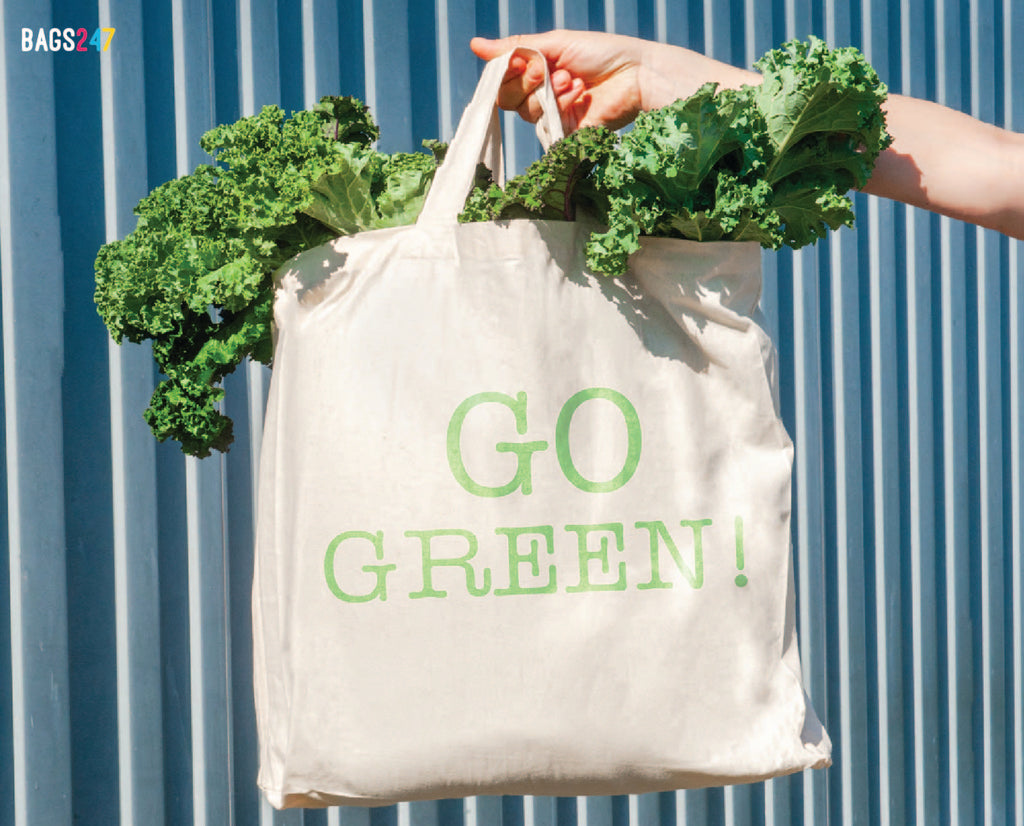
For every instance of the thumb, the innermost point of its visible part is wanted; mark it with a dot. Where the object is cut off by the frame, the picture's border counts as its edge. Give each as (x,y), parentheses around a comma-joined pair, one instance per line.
(486,49)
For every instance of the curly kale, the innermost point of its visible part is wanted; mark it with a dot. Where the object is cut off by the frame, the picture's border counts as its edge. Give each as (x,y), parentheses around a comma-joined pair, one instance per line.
(195,276)
(553,187)
(769,163)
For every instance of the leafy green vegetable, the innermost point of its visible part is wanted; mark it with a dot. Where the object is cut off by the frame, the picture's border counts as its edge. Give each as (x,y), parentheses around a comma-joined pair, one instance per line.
(371,191)
(825,127)
(553,187)
(769,163)
(682,171)
(195,274)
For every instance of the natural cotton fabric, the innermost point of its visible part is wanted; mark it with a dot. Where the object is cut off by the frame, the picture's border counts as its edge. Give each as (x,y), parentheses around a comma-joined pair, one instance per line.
(522,529)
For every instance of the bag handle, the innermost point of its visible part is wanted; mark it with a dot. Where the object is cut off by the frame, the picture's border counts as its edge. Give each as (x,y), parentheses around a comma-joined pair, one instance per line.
(478,138)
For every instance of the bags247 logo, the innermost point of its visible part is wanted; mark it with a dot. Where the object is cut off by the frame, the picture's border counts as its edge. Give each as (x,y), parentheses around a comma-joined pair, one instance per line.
(66,40)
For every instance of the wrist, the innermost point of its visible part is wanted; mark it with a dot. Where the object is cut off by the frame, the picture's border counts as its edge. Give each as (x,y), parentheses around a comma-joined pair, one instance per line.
(668,73)
(656,89)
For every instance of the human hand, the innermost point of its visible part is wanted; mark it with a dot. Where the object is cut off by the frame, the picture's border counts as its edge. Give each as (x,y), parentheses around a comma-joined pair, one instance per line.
(594,76)
(602,79)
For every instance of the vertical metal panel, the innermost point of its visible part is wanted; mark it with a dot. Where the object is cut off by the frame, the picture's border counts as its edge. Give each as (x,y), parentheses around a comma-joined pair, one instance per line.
(259,76)
(901,351)
(885,518)
(92,664)
(320,61)
(209,643)
(809,487)
(621,17)
(458,67)
(132,453)
(157,110)
(571,14)
(960,688)
(681,24)
(916,32)
(1013,43)
(32,296)
(990,304)
(388,86)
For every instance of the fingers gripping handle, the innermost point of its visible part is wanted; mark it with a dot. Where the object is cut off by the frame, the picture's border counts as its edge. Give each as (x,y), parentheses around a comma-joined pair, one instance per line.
(478,137)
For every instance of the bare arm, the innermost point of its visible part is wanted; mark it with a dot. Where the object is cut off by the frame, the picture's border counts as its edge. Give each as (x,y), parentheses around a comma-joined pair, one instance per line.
(950,163)
(941,160)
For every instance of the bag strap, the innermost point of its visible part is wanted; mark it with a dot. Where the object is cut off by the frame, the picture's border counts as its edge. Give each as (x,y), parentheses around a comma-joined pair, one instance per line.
(478,138)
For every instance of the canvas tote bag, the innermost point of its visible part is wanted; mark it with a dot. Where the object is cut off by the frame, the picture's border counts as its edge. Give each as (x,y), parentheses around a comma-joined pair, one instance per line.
(521,529)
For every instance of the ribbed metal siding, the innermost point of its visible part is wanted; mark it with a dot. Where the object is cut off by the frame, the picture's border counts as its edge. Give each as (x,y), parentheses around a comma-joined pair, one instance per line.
(125,689)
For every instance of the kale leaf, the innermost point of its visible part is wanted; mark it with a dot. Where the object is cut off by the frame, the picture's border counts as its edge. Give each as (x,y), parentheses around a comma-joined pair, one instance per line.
(553,187)
(770,163)
(825,129)
(195,276)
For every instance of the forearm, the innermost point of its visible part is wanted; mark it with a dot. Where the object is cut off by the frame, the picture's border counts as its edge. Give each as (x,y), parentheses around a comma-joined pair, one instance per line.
(950,163)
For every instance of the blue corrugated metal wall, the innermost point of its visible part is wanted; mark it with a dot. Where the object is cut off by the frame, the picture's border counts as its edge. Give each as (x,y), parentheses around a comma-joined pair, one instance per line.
(125,689)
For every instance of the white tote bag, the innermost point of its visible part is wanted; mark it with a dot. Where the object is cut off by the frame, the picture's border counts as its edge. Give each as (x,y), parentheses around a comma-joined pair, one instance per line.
(522,529)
